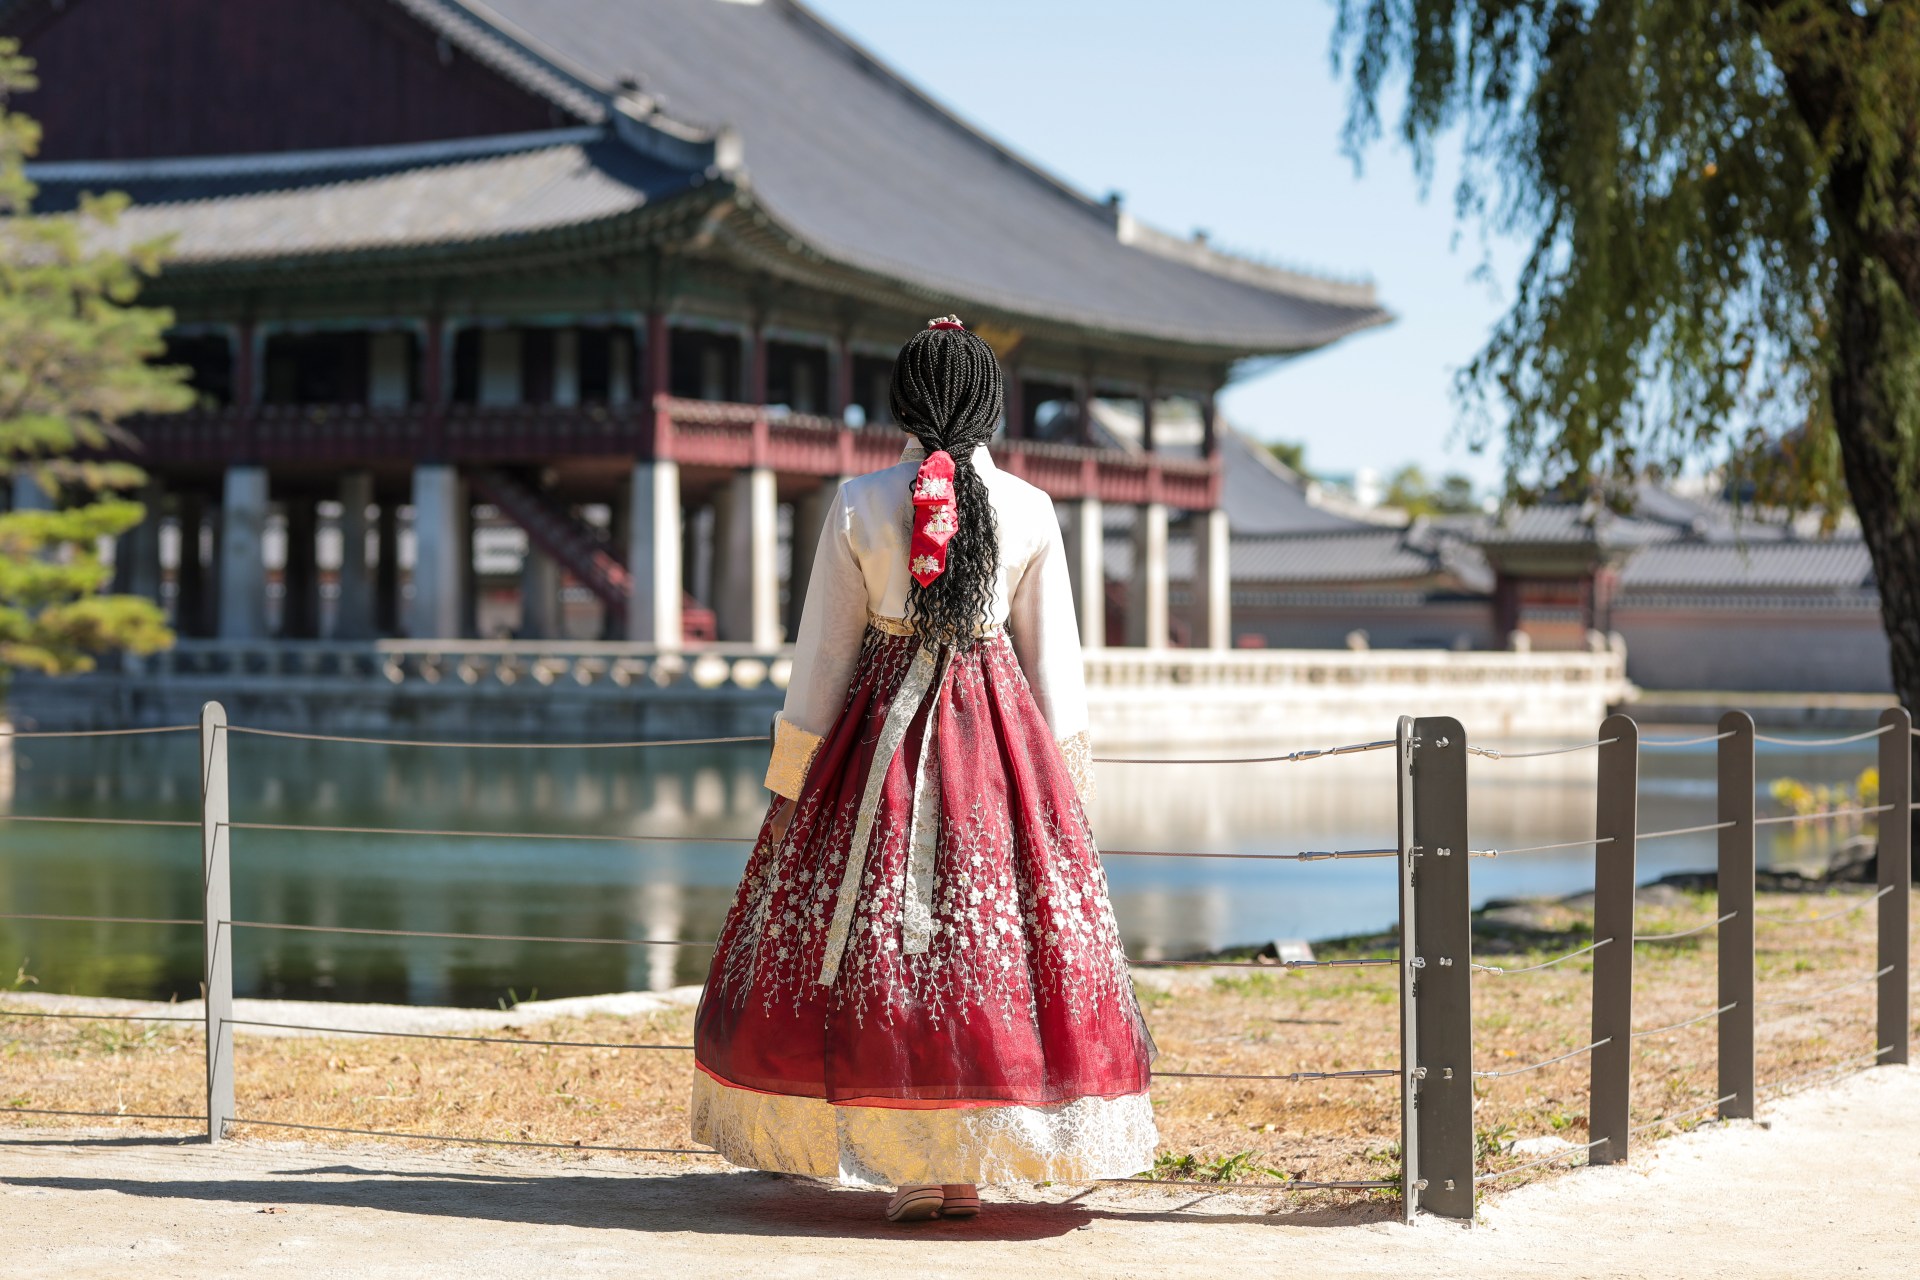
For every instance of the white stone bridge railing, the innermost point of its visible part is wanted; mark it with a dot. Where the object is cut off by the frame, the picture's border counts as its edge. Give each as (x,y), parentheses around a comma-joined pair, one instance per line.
(1136,696)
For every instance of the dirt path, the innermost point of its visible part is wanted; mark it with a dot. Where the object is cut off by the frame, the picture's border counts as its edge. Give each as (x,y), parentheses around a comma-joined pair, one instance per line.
(1828,1186)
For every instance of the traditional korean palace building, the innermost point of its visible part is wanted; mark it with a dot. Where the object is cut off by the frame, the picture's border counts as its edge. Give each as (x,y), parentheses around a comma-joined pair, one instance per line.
(628,273)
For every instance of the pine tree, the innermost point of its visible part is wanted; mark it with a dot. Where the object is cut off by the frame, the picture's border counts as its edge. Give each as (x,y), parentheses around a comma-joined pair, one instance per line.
(1722,204)
(74,361)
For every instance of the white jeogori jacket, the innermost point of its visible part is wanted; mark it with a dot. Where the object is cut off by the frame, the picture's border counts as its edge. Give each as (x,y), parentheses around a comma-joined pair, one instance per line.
(860,577)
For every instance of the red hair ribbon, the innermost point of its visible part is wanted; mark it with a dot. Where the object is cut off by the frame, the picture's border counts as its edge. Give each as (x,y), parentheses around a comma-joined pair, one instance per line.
(945,322)
(936,518)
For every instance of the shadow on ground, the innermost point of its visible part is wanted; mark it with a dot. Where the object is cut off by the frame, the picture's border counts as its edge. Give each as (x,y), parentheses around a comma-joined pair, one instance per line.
(719,1203)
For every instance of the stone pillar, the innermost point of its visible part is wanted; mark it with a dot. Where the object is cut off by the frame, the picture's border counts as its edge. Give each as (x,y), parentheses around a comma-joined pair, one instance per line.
(437,526)
(300,576)
(353,614)
(136,557)
(748,605)
(190,605)
(1087,568)
(243,565)
(1147,598)
(653,554)
(386,577)
(809,518)
(1212,585)
(540,611)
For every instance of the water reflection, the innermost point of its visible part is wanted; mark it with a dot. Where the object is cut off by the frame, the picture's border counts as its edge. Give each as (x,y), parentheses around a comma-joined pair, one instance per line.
(680,887)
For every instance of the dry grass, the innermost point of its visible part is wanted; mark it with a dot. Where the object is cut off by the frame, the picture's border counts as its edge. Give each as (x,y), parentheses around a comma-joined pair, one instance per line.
(1251,1022)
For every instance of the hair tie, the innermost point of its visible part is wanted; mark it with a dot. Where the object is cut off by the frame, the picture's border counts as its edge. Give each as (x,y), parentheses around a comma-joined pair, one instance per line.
(945,322)
(936,517)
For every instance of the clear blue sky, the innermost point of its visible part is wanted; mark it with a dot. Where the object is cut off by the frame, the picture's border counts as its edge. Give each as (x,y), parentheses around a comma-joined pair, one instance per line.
(1225,114)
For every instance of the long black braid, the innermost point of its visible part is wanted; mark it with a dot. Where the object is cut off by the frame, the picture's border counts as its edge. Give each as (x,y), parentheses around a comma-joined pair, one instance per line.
(946,391)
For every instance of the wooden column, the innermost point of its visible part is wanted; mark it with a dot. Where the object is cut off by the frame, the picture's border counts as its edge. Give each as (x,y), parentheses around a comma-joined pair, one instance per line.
(841,394)
(246,367)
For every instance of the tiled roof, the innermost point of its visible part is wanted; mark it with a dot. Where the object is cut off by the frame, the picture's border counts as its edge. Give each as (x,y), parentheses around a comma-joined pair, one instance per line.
(1365,555)
(871,173)
(1841,564)
(372,198)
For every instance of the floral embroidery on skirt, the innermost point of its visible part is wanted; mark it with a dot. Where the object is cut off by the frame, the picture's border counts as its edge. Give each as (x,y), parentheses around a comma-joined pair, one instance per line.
(1000,989)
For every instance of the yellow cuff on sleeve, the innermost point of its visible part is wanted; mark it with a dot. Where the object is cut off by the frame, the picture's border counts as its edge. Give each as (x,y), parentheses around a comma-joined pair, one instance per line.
(793,749)
(1077,751)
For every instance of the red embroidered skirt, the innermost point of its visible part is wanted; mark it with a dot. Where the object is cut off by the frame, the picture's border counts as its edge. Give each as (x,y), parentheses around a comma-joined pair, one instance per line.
(976,1022)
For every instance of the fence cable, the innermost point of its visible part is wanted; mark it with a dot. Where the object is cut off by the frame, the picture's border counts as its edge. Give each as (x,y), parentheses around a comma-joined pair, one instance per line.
(1675,1026)
(1682,1115)
(1327,855)
(1825,813)
(105,1115)
(1789,921)
(1261,964)
(1685,933)
(609,838)
(1291,757)
(1822,995)
(1548,964)
(97,733)
(440,1035)
(1491,754)
(1288,1186)
(1540,848)
(100,822)
(1839,1069)
(486,1142)
(472,937)
(96,1017)
(1822,742)
(1686,742)
(1516,1071)
(493,746)
(25,915)
(1291,1077)
(1682,831)
(1555,1158)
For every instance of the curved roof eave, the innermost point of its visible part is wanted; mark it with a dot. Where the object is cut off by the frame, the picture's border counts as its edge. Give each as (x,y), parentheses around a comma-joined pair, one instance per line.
(1226,344)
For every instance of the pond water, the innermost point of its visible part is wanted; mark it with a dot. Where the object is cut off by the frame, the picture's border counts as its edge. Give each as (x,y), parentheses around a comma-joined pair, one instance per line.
(680,887)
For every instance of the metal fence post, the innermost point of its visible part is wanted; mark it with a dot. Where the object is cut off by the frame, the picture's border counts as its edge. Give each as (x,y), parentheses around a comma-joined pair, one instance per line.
(1441,967)
(1409,1013)
(1735,880)
(1895,857)
(216,914)
(1616,818)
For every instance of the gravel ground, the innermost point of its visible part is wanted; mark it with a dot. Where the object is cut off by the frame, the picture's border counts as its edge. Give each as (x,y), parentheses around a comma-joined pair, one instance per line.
(1828,1184)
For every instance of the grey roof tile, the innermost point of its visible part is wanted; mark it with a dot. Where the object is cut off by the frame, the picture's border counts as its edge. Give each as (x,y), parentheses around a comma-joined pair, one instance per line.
(371,206)
(1841,564)
(872,173)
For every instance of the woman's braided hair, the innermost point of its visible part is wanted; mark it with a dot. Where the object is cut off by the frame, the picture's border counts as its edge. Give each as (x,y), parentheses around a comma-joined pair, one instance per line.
(946,391)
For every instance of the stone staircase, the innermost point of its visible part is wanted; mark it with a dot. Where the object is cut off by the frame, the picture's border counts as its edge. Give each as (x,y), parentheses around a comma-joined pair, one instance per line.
(577,547)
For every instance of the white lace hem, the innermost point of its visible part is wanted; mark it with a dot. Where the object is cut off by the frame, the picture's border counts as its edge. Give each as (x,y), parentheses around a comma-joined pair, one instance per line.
(890,1147)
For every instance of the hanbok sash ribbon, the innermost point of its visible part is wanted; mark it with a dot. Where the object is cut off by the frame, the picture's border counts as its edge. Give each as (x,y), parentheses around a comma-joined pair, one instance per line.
(936,518)
(926,673)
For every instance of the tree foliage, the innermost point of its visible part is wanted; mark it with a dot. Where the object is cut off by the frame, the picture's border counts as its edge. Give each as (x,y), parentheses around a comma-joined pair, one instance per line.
(74,361)
(1678,195)
(1411,491)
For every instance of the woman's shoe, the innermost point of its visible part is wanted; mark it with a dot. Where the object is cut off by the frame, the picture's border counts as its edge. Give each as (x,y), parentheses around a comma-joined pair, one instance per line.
(959,1200)
(916,1203)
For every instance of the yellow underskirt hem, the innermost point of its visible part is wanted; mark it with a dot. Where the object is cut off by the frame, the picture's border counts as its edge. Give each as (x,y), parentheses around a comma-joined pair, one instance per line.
(1075,1141)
